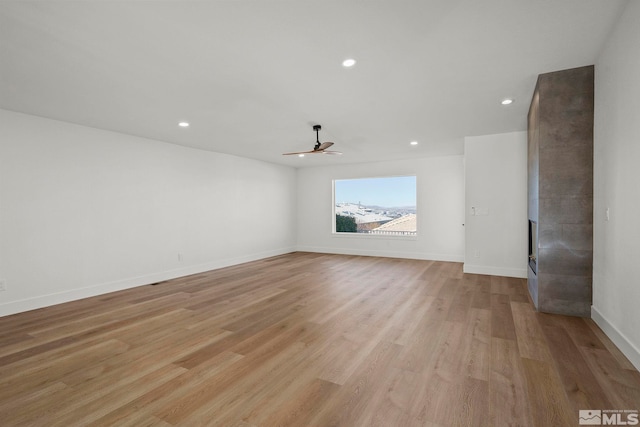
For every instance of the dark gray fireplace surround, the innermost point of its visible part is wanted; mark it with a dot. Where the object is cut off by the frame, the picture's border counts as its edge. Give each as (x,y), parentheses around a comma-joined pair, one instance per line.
(560,188)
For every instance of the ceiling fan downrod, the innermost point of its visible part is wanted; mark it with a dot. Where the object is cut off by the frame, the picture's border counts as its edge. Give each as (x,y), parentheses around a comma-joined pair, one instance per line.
(317,129)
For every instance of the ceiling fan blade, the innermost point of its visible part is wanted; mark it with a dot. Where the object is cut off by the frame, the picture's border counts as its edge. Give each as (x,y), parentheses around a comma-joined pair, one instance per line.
(299,152)
(325,145)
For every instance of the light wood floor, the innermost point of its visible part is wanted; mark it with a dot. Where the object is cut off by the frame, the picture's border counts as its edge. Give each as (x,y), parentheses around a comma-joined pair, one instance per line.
(310,340)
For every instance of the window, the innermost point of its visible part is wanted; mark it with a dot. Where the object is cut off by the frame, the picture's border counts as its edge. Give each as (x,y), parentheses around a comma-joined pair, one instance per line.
(376,206)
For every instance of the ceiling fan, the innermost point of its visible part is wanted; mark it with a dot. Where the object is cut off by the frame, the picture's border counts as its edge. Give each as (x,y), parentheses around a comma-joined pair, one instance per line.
(319,148)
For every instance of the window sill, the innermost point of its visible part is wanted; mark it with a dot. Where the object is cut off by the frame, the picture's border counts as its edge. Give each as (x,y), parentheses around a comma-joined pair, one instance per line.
(374,236)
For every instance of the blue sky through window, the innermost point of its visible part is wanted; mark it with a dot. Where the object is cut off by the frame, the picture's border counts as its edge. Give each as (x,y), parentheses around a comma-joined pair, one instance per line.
(397,191)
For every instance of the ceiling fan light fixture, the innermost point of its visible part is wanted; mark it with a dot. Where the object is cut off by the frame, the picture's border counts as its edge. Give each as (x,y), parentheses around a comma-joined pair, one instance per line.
(300,155)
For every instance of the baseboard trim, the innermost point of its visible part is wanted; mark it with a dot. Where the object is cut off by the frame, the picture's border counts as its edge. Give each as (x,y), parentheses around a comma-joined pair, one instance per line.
(42,301)
(618,338)
(385,254)
(520,273)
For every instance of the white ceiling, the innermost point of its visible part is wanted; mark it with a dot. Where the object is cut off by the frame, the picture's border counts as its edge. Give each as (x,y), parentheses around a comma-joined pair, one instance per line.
(252,77)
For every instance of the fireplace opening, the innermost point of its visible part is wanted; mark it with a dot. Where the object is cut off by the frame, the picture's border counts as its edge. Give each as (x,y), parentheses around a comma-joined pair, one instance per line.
(533,245)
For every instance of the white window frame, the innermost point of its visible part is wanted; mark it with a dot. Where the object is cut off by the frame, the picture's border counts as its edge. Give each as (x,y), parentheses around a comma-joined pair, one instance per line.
(372,235)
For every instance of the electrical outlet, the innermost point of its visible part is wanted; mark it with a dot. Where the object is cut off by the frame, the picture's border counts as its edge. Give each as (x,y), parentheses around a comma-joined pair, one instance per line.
(3,285)
(179,257)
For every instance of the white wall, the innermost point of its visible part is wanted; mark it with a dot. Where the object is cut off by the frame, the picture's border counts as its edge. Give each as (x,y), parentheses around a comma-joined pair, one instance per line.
(440,187)
(85,211)
(616,276)
(496,225)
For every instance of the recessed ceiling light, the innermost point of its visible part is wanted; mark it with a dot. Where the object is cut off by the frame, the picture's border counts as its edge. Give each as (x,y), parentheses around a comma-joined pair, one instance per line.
(414,143)
(300,155)
(183,124)
(348,63)
(507,101)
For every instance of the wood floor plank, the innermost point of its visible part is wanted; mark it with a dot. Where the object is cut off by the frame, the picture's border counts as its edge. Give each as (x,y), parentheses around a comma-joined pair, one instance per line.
(167,393)
(461,401)
(546,395)
(117,316)
(236,386)
(621,386)
(263,357)
(622,360)
(502,325)
(97,408)
(475,355)
(475,394)
(531,341)
(576,327)
(304,406)
(312,340)
(579,382)
(90,335)
(263,402)
(139,361)
(481,286)
(420,350)
(461,302)
(354,397)
(407,326)
(507,386)
(42,374)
